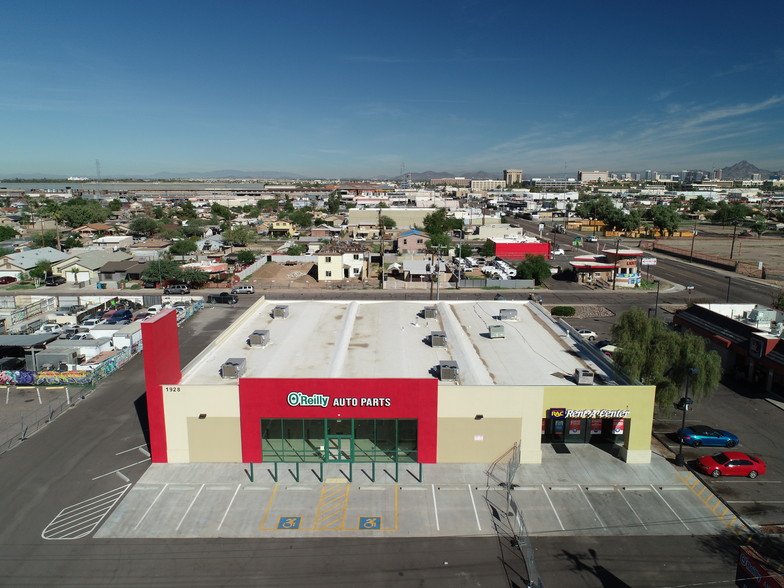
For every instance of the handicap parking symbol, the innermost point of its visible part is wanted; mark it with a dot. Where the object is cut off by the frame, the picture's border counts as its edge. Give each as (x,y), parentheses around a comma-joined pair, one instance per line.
(369,523)
(289,523)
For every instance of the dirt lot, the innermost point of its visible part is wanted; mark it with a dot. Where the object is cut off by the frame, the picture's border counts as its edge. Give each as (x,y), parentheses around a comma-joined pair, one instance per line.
(276,275)
(769,249)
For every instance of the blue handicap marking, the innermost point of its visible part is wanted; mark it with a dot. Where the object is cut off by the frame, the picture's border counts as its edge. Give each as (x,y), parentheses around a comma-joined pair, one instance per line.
(289,522)
(369,523)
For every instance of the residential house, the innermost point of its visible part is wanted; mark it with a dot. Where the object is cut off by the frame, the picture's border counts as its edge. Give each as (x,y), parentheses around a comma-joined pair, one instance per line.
(118,271)
(84,267)
(325,232)
(282,228)
(91,230)
(149,248)
(342,260)
(16,264)
(412,241)
(114,242)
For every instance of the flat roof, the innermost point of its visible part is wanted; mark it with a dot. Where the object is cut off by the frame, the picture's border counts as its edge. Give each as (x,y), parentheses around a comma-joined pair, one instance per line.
(391,339)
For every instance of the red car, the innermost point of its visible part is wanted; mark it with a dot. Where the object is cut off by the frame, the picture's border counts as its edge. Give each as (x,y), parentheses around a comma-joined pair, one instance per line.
(7,280)
(731,463)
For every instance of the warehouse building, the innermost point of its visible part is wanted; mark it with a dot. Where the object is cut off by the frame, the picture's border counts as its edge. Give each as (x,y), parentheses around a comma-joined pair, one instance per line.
(387,381)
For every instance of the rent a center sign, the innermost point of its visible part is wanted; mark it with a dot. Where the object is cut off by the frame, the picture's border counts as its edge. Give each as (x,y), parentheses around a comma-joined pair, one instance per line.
(564,413)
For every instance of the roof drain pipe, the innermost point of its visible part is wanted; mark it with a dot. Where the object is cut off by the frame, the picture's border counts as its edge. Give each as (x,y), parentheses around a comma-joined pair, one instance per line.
(341,347)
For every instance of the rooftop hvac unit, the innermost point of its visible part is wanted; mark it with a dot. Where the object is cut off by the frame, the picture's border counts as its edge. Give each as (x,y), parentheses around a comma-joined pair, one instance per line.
(430,312)
(496,331)
(259,338)
(438,339)
(508,314)
(448,370)
(583,377)
(233,367)
(281,311)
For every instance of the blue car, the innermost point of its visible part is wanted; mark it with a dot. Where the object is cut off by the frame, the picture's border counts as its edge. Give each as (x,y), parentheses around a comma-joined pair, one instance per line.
(698,435)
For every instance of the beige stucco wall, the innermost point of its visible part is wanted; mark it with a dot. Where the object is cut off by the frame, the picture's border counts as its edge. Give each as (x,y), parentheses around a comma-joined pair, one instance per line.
(183,403)
(214,439)
(510,414)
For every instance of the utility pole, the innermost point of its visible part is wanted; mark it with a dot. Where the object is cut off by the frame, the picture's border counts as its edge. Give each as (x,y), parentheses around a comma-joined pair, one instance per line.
(615,269)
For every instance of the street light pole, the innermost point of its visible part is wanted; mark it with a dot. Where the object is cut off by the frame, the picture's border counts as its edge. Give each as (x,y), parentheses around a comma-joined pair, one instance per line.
(734,231)
(729,283)
(685,402)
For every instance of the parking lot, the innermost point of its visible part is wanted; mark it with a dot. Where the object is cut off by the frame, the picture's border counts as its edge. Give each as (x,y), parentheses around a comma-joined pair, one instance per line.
(587,492)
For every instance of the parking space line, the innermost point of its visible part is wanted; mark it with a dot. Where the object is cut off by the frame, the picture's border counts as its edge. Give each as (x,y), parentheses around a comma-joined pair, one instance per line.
(555,512)
(435,506)
(121,469)
(131,449)
(149,508)
(670,507)
(473,503)
(596,514)
(269,506)
(228,508)
(633,511)
(187,510)
(332,507)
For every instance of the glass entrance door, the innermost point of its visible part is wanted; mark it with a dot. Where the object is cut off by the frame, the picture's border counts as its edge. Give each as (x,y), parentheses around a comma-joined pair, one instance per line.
(340,448)
(340,440)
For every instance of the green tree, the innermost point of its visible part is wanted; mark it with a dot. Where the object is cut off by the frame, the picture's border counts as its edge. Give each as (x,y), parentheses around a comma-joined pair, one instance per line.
(182,247)
(114,205)
(194,276)
(297,249)
(71,242)
(759,225)
(387,222)
(333,202)
(439,222)
(595,207)
(161,270)
(246,257)
(665,218)
(439,242)
(778,300)
(301,218)
(535,267)
(143,226)
(78,212)
(7,233)
(42,269)
(698,204)
(220,211)
(462,251)
(650,352)
(487,249)
(240,235)
(729,213)
(47,239)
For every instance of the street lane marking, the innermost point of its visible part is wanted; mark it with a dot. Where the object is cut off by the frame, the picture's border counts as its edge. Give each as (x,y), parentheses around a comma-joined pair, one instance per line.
(81,519)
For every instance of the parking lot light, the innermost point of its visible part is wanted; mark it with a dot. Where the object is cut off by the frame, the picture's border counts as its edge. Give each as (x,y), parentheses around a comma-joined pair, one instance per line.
(684,405)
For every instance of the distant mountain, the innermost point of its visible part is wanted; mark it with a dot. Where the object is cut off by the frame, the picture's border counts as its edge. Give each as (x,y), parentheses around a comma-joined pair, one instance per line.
(743,170)
(429,175)
(227,174)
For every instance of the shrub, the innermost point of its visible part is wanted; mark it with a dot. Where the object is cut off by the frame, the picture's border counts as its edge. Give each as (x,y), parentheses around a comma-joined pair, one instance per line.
(562,311)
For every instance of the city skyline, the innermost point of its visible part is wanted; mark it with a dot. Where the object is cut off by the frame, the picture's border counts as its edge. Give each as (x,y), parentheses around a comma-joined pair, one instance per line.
(355,90)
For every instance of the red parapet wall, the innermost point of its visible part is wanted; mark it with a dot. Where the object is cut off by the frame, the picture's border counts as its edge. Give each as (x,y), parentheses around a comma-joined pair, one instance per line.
(521,250)
(331,398)
(161,352)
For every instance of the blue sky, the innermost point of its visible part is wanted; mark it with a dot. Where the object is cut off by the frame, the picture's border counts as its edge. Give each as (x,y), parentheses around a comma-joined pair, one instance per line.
(353,89)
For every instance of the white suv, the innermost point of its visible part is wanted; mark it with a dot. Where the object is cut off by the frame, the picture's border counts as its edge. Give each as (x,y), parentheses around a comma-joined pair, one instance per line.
(245,289)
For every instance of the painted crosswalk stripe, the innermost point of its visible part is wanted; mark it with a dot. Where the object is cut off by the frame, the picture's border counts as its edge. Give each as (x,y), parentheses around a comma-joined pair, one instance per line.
(81,519)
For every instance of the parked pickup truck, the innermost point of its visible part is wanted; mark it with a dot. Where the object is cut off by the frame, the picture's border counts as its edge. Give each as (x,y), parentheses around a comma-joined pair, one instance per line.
(223,298)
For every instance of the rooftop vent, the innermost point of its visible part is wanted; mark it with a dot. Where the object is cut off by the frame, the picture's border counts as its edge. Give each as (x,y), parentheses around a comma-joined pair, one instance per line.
(496,331)
(508,314)
(281,311)
(430,312)
(233,367)
(448,371)
(259,338)
(583,377)
(438,339)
